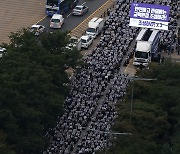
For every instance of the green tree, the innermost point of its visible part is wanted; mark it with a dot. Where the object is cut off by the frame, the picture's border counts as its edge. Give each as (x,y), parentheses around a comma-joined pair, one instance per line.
(155,117)
(32,88)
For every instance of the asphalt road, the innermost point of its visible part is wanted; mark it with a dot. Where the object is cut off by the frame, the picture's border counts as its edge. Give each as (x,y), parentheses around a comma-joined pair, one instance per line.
(70,21)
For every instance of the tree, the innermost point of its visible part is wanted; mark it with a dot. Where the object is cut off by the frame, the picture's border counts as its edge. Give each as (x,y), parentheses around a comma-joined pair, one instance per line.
(155,117)
(32,76)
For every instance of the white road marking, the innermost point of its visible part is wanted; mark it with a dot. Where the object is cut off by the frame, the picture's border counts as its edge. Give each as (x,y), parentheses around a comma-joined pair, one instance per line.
(69,14)
(40,20)
(83,3)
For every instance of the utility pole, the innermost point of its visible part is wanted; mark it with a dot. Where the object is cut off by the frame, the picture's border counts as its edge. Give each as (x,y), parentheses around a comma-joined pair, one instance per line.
(135,78)
(110,133)
(132,92)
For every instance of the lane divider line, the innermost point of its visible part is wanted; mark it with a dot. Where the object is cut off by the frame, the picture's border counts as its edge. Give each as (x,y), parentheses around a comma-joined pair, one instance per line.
(40,20)
(69,14)
(83,3)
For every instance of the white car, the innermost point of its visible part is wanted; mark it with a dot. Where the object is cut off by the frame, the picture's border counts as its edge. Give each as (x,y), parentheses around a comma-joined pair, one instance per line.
(56,21)
(80,10)
(2,50)
(86,41)
(37,29)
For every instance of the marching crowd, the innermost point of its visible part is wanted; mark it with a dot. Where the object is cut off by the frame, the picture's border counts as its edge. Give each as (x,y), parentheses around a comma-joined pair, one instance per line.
(96,89)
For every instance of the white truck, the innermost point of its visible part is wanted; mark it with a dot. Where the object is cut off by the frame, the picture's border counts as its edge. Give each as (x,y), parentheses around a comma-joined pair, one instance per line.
(74,43)
(147,47)
(95,27)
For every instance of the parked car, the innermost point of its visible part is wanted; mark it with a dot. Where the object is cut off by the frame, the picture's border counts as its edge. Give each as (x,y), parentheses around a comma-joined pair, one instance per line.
(86,41)
(37,29)
(56,21)
(80,10)
(74,43)
(2,51)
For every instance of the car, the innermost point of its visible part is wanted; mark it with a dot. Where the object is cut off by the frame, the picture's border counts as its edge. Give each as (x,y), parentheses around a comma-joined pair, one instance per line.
(56,21)
(2,51)
(80,10)
(74,43)
(37,29)
(86,41)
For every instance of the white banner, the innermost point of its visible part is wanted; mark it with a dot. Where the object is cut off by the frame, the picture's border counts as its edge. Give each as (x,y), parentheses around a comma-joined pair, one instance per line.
(148,23)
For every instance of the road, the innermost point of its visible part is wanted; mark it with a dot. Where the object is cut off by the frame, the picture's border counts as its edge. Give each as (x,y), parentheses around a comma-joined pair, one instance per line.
(70,21)
(18,14)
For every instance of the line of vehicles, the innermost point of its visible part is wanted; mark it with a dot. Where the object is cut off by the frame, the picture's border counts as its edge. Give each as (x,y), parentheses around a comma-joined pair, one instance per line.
(147,41)
(55,9)
(57,20)
(95,27)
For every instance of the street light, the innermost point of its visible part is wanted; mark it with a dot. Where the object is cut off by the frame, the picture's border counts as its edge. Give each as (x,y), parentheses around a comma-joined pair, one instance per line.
(132,92)
(111,133)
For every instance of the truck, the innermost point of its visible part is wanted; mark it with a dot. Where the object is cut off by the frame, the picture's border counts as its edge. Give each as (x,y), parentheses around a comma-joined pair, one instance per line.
(95,27)
(74,43)
(147,47)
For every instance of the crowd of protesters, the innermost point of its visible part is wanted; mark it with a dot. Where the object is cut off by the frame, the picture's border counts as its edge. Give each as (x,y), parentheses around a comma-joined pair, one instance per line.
(100,85)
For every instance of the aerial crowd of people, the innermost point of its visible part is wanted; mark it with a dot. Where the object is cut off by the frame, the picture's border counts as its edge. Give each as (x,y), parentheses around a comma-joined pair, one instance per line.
(100,85)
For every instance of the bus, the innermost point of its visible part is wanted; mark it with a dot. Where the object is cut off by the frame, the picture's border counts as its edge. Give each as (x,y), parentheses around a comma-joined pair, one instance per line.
(59,6)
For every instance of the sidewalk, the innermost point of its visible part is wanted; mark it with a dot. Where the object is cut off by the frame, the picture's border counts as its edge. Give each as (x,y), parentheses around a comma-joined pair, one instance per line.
(173,56)
(18,14)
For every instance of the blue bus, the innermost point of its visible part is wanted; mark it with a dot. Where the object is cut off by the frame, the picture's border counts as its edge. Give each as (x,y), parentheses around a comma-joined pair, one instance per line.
(59,6)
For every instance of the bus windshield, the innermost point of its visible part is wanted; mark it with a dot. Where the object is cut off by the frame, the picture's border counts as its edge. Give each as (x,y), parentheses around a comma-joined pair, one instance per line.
(52,2)
(140,54)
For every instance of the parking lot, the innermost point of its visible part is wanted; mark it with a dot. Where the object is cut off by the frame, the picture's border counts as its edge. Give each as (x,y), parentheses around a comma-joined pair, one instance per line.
(17,14)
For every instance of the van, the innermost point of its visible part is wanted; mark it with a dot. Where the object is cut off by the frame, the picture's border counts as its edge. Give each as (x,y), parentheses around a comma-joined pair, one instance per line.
(86,41)
(95,27)
(56,21)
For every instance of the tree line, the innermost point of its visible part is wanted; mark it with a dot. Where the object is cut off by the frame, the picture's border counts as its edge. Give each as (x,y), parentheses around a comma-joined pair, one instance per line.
(33,86)
(155,123)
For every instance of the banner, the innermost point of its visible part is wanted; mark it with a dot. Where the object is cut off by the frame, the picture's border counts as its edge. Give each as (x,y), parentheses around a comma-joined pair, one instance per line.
(149,16)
